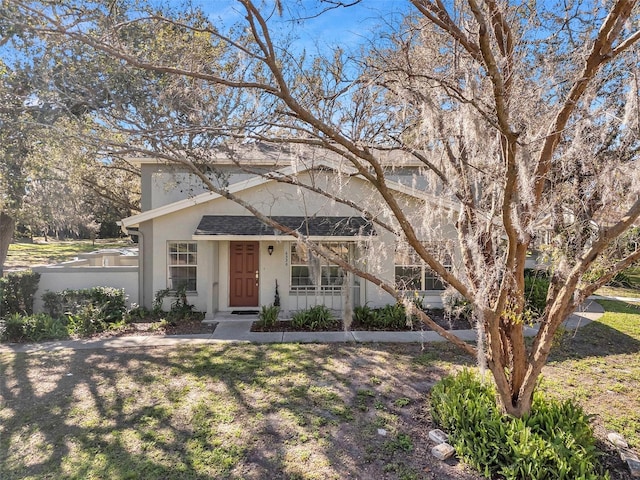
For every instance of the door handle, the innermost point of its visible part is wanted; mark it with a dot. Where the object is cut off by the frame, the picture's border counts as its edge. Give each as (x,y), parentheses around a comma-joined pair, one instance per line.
(257,277)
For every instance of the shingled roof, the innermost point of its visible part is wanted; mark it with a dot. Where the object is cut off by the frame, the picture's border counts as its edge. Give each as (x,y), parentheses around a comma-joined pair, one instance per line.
(310,226)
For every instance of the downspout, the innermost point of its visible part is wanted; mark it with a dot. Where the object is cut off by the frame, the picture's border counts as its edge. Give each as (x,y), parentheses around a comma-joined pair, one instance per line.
(140,236)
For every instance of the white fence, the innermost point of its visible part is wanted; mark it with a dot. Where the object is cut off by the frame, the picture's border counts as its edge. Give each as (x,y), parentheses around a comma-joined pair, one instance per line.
(56,278)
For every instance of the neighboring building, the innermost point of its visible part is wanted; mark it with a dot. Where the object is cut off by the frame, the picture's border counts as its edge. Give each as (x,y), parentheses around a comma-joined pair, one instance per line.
(229,261)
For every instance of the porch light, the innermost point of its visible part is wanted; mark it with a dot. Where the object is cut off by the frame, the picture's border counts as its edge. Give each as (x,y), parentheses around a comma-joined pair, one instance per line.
(270,250)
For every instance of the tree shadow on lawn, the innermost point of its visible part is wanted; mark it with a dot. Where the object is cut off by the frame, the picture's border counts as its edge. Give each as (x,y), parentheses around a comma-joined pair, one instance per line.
(603,337)
(221,411)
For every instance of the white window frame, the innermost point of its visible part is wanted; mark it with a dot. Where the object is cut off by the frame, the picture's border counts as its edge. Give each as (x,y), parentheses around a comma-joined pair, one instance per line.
(317,266)
(425,275)
(183,260)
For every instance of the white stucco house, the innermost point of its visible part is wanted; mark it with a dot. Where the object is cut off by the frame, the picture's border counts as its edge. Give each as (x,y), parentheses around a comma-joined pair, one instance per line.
(229,261)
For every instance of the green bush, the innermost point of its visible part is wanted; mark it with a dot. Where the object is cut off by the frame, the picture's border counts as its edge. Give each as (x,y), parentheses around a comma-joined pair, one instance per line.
(392,317)
(554,441)
(364,315)
(87,311)
(268,315)
(110,303)
(456,306)
(180,308)
(389,317)
(317,317)
(32,328)
(86,321)
(17,291)
(536,286)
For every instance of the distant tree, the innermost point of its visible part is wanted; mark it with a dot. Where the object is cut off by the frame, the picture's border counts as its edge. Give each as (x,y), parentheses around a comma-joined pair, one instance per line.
(77,191)
(525,114)
(49,181)
(18,117)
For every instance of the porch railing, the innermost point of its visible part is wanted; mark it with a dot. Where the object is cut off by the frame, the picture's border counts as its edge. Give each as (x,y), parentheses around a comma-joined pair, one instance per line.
(304,297)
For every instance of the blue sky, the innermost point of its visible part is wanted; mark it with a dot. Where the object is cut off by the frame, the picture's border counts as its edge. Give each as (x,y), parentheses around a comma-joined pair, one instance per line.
(344,26)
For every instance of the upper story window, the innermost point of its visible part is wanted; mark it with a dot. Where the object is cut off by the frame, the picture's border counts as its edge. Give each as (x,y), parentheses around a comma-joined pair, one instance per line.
(309,270)
(412,273)
(183,265)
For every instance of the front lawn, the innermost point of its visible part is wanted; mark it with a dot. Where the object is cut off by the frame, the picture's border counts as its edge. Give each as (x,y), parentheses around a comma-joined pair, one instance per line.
(25,255)
(275,411)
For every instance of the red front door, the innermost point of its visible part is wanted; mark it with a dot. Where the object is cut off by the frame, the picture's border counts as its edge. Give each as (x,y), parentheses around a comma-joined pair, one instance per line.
(243,276)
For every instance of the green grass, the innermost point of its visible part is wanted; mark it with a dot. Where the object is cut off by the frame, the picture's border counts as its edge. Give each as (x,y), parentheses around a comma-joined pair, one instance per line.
(633,275)
(30,254)
(274,411)
(599,366)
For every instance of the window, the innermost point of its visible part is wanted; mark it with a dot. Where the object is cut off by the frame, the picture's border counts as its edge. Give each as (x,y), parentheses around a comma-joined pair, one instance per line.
(413,274)
(183,265)
(309,270)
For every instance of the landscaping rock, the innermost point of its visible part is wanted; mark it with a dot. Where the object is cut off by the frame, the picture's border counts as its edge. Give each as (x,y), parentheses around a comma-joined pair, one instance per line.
(443,451)
(617,440)
(626,454)
(438,436)
(382,432)
(634,468)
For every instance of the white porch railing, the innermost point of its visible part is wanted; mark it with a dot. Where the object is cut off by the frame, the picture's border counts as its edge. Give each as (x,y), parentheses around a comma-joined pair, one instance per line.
(302,298)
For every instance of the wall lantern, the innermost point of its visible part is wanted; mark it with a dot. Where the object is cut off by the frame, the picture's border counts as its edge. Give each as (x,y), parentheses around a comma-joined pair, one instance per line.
(270,250)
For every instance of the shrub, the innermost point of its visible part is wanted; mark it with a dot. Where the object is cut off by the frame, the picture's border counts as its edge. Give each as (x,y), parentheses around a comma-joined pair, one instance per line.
(317,317)
(17,291)
(364,315)
(32,328)
(392,316)
(180,308)
(86,321)
(536,286)
(111,302)
(87,311)
(554,441)
(268,315)
(456,306)
(389,317)
(136,314)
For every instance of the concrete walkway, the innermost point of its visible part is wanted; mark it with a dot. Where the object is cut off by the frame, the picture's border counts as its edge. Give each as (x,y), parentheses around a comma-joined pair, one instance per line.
(239,331)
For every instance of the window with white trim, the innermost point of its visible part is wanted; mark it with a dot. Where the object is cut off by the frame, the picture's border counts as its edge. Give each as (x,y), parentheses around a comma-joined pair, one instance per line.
(412,273)
(183,265)
(309,270)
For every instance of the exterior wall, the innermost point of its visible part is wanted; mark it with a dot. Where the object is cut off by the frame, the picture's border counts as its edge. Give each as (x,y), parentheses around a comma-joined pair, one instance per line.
(166,185)
(58,278)
(274,199)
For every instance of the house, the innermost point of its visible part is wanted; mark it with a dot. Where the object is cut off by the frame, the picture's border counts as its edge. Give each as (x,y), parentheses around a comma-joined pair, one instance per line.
(229,261)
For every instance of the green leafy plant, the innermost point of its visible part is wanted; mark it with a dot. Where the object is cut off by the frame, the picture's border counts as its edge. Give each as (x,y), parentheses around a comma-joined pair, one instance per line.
(268,315)
(364,315)
(110,303)
(456,306)
(392,316)
(554,441)
(136,314)
(17,291)
(317,317)
(32,328)
(87,311)
(158,300)
(180,309)
(536,286)
(320,317)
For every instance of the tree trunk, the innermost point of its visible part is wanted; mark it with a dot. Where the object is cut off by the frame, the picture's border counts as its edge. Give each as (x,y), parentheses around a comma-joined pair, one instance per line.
(7,226)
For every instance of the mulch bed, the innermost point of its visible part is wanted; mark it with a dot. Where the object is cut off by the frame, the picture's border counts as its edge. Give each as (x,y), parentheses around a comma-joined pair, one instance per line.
(436,315)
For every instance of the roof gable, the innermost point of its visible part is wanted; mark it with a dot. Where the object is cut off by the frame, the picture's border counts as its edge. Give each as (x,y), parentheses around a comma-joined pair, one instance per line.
(262,180)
